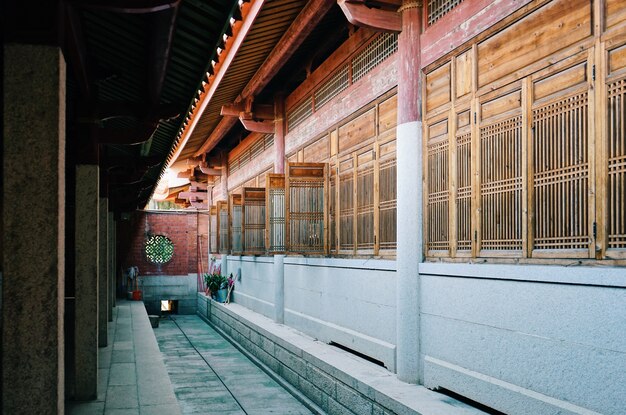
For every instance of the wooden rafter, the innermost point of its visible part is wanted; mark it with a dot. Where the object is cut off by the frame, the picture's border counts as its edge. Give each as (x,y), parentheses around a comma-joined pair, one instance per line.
(297,32)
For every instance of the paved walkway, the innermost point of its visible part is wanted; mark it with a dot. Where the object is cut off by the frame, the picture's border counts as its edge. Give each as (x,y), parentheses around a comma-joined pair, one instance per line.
(132,378)
(210,376)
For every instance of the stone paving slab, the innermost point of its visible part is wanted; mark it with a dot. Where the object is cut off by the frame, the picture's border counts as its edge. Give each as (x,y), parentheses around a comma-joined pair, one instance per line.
(210,376)
(132,379)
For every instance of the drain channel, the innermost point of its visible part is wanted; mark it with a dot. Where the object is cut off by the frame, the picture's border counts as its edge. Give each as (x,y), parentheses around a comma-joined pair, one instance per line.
(209,365)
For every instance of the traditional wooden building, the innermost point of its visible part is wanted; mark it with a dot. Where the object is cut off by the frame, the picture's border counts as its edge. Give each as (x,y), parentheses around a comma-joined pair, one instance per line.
(445,179)
(438,187)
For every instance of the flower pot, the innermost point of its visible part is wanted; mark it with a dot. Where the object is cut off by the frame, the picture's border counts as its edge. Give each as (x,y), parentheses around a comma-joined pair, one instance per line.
(221,295)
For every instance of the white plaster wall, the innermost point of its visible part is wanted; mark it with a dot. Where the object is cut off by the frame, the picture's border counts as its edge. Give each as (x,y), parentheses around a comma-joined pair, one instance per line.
(524,339)
(254,283)
(347,301)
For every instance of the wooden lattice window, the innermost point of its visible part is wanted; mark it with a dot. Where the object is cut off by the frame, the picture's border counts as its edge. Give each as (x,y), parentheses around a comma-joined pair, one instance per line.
(332,207)
(275,217)
(299,113)
(438,181)
(617,164)
(306,188)
(439,8)
(388,196)
(346,205)
(236,208)
(561,179)
(365,199)
(222,226)
(332,87)
(253,199)
(213,230)
(501,184)
(376,52)
(463,182)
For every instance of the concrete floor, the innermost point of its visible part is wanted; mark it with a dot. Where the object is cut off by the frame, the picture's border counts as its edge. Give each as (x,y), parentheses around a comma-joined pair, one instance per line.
(210,376)
(192,369)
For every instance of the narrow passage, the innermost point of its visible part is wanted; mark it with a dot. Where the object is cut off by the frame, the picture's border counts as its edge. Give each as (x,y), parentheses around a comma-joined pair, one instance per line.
(210,376)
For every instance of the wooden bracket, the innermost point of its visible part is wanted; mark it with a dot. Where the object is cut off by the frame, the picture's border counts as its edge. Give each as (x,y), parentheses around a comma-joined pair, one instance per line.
(359,14)
(256,111)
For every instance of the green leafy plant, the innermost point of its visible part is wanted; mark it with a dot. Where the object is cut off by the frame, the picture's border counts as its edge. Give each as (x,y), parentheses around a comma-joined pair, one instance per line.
(215,282)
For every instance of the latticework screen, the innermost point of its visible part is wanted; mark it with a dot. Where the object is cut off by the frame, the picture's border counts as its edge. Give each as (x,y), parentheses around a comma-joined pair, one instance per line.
(376,52)
(332,87)
(437,182)
(617,164)
(213,230)
(236,243)
(537,149)
(222,224)
(299,113)
(254,220)
(388,201)
(275,218)
(501,184)
(464,186)
(332,208)
(306,187)
(346,204)
(365,200)
(561,179)
(439,8)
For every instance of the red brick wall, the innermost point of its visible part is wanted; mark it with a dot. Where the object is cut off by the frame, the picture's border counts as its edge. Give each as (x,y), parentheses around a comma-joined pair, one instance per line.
(184,229)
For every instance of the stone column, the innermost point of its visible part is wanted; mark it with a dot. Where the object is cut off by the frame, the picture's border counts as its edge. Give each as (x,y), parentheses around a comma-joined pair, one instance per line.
(111,267)
(86,281)
(33,230)
(279,134)
(279,288)
(103,273)
(409,173)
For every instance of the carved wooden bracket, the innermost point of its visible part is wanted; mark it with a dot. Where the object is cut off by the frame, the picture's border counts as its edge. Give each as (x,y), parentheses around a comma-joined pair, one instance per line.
(360,14)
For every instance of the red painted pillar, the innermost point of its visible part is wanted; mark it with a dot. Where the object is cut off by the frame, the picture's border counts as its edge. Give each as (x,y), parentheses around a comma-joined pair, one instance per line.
(279,134)
(409,81)
(409,203)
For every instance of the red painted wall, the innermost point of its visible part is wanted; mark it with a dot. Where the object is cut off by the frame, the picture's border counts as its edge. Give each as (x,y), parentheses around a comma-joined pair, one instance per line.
(187,230)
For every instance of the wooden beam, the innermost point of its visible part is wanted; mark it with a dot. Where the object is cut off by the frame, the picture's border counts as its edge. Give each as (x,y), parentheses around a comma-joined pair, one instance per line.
(298,31)
(127,6)
(209,171)
(258,111)
(240,30)
(361,15)
(193,195)
(266,127)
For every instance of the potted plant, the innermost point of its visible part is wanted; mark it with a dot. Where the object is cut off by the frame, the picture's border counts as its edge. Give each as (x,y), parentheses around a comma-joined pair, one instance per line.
(217,286)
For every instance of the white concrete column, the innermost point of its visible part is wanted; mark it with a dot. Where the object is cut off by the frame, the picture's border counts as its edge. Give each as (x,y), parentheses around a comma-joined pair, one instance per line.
(103,273)
(32,231)
(279,288)
(409,251)
(409,179)
(86,282)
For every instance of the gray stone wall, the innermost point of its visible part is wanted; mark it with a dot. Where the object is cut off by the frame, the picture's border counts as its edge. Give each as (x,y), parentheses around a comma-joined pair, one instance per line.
(166,287)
